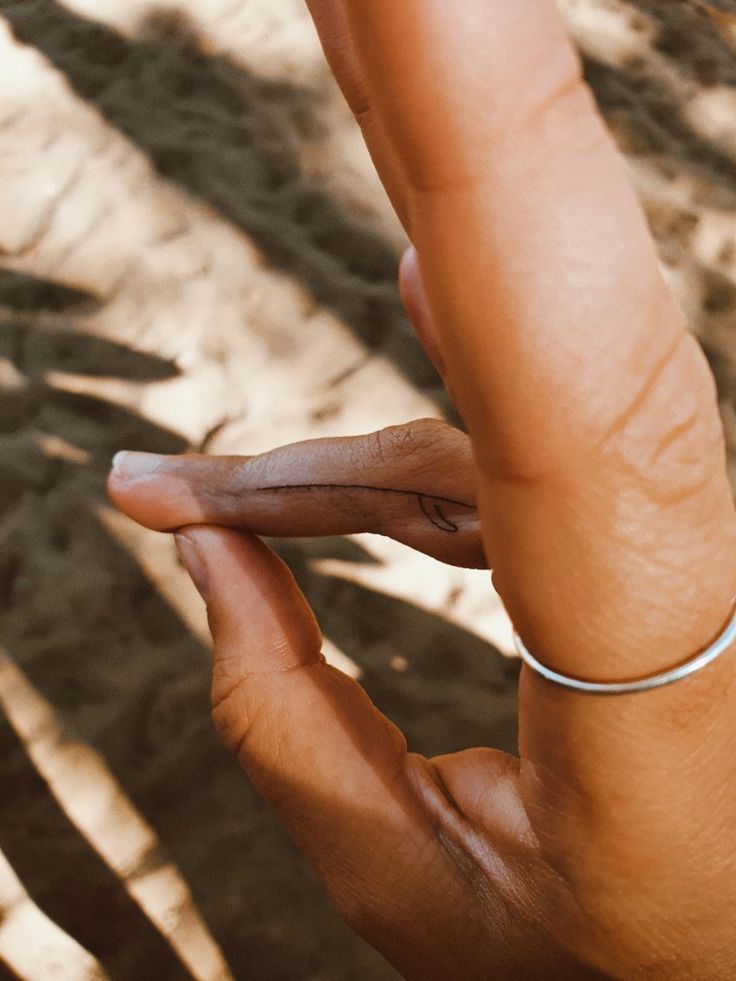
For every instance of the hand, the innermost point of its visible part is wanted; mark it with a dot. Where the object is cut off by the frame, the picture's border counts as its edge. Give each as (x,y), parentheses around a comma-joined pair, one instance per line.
(598,473)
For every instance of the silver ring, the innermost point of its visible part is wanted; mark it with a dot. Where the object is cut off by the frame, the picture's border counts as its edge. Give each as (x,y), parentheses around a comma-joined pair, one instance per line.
(700,660)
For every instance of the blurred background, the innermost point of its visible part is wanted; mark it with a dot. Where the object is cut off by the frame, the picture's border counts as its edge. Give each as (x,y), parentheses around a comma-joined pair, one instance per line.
(195,254)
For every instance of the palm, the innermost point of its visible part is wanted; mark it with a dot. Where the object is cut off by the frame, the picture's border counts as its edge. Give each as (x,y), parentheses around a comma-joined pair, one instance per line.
(473,829)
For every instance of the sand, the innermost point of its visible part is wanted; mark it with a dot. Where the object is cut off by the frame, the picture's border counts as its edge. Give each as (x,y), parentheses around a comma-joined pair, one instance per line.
(194,253)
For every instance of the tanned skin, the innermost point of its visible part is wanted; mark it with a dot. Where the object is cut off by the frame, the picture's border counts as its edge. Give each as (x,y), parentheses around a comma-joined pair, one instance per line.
(592,480)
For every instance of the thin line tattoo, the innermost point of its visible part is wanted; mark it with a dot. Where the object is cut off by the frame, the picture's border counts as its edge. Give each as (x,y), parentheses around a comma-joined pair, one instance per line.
(429,504)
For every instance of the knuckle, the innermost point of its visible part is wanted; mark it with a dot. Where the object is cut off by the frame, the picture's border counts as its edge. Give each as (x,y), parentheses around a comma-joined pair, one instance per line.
(398,442)
(670,435)
(557,102)
(232,714)
(559,95)
(247,726)
(238,703)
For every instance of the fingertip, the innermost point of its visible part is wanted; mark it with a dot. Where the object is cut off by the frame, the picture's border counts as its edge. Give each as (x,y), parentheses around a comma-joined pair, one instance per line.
(150,490)
(127,468)
(130,465)
(115,483)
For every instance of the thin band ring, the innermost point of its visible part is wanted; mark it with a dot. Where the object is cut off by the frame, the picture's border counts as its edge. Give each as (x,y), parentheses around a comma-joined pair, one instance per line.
(668,677)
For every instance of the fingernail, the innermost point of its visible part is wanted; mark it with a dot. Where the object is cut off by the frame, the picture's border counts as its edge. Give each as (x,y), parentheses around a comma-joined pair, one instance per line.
(130,466)
(194,564)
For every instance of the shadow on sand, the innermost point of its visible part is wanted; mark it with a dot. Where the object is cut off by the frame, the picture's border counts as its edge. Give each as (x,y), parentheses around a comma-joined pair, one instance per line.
(76,611)
(123,672)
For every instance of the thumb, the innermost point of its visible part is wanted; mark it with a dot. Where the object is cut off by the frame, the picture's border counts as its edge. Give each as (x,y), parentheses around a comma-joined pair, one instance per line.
(334,770)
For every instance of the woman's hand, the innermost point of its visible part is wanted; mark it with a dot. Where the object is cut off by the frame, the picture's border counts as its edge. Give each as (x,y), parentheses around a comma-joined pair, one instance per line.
(598,471)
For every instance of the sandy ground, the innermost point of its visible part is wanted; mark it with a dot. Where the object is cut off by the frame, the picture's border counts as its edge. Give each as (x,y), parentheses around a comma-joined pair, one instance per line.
(194,253)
